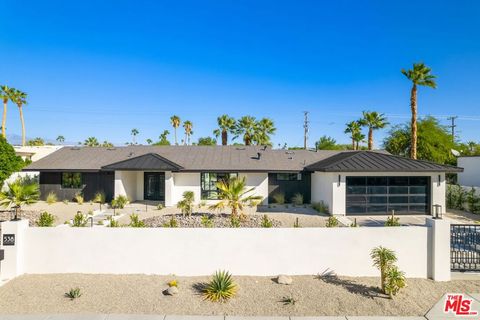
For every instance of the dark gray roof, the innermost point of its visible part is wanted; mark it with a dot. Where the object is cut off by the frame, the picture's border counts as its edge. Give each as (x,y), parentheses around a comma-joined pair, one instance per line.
(368,161)
(226,158)
(149,161)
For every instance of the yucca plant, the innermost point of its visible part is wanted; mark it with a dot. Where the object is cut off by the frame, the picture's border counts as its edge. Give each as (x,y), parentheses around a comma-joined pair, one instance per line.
(74,293)
(51,198)
(394,281)
(186,204)
(297,199)
(220,288)
(383,260)
(45,220)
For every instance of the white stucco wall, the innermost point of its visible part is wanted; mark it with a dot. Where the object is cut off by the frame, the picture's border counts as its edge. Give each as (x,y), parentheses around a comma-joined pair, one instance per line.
(471,175)
(35,153)
(325,187)
(260,182)
(126,184)
(185,181)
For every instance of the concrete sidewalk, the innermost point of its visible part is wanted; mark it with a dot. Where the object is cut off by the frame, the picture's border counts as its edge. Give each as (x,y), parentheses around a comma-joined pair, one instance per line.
(176,317)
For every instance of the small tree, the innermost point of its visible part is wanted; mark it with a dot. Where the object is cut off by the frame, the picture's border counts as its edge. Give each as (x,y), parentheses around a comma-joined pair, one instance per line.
(186,205)
(18,194)
(9,161)
(383,259)
(234,195)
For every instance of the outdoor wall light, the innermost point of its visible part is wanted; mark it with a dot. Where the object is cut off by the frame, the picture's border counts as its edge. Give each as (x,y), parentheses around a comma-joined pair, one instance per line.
(439,180)
(437,211)
(339,179)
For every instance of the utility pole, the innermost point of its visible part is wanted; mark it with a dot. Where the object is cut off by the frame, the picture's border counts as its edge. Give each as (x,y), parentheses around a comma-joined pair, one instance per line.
(305,129)
(453,126)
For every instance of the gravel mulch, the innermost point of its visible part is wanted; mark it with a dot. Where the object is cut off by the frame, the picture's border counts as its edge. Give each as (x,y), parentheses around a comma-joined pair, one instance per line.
(218,220)
(256,296)
(32,216)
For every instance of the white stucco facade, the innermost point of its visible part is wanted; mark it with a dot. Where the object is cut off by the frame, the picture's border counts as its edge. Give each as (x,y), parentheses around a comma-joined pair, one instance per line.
(331,187)
(470,177)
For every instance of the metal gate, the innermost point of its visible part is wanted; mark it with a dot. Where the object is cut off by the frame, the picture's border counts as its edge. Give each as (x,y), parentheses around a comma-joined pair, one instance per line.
(465,247)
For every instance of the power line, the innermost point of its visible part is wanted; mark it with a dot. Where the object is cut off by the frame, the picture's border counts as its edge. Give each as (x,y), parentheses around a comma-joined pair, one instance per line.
(452,126)
(305,129)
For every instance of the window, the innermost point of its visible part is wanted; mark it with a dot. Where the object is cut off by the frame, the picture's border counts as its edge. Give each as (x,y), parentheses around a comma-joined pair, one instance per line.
(71,180)
(289,176)
(209,190)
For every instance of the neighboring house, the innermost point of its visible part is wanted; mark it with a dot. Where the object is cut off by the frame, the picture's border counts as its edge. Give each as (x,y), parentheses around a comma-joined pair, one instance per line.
(34,153)
(470,177)
(350,182)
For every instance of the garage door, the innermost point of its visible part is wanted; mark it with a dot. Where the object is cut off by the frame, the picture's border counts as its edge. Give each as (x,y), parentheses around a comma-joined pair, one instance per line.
(381,195)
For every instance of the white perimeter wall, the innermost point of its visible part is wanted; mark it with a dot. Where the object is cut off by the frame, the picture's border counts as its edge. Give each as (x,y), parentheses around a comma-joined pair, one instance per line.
(471,174)
(325,187)
(189,252)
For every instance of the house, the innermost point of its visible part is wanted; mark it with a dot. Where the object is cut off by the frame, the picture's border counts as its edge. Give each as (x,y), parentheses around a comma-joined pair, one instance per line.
(349,182)
(34,153)
(470,177)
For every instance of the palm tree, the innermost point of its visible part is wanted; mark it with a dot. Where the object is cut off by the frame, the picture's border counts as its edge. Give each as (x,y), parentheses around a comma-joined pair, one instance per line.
(263,129)
(91,142)
(175,121)
(358,137)
(60,139)
(20,99)
(246,126)
(149,141)
(5,96)
(134,134)
(353,128)
(19,194)
(373,121)
(420,75)
(383,259)
(188,125)
(226,125)
(234,195)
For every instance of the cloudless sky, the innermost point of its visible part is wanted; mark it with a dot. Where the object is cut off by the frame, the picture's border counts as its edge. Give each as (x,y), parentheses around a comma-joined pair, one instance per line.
(101,68)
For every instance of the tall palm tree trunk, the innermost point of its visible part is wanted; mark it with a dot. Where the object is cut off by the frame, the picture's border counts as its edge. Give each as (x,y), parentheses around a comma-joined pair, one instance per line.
(23,124)
(353,143)
(413,105)
(370,139)
(224,137)
(175,131)
(4,118)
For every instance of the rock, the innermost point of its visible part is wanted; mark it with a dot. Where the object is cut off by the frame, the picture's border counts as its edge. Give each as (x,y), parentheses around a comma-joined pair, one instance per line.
(171,291)
(283,279)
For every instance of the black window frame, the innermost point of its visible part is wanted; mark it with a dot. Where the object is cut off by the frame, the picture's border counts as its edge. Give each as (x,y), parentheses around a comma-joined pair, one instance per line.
(289,176)
(68,181)
(207,189)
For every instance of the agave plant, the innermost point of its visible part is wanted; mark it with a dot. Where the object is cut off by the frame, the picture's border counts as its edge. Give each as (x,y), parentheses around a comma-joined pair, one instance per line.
(221,288)
(73,294)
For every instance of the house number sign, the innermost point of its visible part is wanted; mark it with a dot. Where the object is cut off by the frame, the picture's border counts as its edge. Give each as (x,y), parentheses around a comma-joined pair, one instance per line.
(8,240)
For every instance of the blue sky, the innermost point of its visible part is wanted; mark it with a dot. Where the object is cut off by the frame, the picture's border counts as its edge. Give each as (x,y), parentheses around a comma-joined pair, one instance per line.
(101,68)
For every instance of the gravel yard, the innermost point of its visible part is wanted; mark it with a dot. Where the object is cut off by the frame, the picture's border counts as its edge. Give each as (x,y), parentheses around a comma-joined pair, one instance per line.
(216,220)
(256,295)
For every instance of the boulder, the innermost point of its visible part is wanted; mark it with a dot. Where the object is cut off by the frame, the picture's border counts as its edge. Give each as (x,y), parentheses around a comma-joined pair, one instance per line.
(171,291)
(283,279)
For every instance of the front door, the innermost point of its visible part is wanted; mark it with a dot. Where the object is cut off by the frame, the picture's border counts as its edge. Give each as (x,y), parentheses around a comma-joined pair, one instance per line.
(154,186)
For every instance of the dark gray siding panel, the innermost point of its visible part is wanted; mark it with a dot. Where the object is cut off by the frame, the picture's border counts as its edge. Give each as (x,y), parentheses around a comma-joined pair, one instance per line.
(93,182)
(289,188)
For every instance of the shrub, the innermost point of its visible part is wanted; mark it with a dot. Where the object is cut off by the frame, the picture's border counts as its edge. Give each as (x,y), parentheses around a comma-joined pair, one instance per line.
(234,222)
(120,201)
(392,221)
(394,281)
(65,201)
(279,198)
(79,220)
(173,283)
(354,223)
(160,206)
(221,288)
(78,198)
(266,223)
(186,205)
(383,260)
(45,220)
(296,224)
(456,197)
(172,223)
(321,207)
(297,199)
(51,198)
(332,222)
(113,223)
(207,221)
(135,222)
(473,201)
(74,293)
(99,198)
